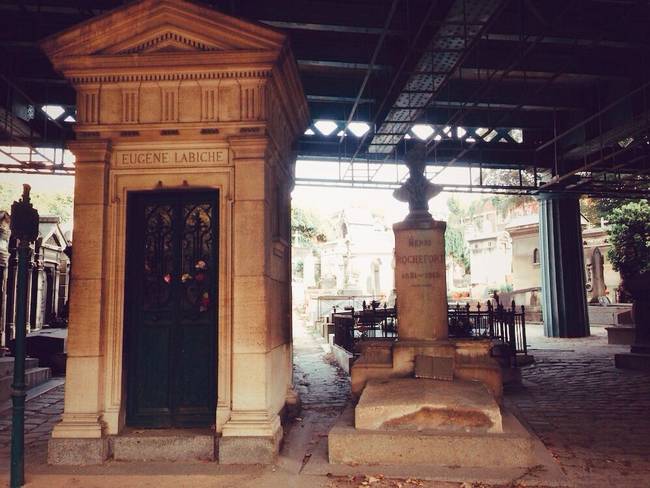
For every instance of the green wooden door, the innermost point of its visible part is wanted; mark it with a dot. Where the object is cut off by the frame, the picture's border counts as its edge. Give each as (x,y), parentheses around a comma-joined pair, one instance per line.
(170,308)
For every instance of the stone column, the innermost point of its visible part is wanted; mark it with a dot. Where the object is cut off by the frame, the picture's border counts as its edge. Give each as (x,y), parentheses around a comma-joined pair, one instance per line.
(564,303)
(78,439)
(420,279)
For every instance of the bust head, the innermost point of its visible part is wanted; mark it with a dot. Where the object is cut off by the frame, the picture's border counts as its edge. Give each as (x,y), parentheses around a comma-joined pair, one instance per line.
(416,159)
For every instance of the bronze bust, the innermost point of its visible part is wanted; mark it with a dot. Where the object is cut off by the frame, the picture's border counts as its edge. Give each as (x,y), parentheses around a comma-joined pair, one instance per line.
(417,190)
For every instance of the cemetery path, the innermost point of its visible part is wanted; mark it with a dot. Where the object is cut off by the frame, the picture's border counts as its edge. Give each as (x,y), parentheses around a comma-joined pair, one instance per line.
(593,417)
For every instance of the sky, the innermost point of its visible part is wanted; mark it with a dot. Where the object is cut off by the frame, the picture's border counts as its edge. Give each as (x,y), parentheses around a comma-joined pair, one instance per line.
(326,201)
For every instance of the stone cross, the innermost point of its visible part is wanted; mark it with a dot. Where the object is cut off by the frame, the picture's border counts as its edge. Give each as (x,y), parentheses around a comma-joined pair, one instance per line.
(417,190)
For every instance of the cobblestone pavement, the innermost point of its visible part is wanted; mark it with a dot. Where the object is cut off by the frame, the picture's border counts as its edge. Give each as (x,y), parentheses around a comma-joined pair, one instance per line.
(41,413)
(594,418)
(591,416)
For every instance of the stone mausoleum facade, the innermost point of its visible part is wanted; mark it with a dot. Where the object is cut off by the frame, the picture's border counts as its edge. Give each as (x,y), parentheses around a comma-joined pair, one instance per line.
(180,308)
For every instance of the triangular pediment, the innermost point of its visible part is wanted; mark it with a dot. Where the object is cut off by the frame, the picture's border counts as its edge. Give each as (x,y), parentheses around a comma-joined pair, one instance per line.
(168,38)
(159,26)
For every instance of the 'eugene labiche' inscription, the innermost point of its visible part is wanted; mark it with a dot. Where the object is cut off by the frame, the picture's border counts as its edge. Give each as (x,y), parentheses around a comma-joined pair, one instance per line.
(194,156)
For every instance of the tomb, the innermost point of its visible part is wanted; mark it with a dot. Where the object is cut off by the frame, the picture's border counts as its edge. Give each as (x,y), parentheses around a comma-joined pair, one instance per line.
(180,309)
(426,399)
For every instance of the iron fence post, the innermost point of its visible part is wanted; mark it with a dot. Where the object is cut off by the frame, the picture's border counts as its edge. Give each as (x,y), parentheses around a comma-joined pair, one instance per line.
(24,226)
(523,329)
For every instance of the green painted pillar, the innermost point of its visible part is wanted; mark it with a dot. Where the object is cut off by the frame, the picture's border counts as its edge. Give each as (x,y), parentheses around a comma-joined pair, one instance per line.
(564,302)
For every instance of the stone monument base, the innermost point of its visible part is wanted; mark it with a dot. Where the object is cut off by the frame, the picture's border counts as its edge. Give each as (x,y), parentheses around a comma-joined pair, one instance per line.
(468,359)
(425,404)
(413,421)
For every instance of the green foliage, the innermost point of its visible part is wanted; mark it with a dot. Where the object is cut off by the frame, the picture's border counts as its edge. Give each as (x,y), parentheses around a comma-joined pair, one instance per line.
(596,208)
(299,268)
(506,203)
(456,247)
(306,227)
(455,244)
(629,236)
(47,203)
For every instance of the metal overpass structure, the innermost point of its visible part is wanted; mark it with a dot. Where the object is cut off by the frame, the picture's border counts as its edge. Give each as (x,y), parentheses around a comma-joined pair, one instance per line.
(527,96)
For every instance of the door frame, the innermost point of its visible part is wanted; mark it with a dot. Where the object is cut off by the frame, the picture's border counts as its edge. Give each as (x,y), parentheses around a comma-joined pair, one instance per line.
(213,195)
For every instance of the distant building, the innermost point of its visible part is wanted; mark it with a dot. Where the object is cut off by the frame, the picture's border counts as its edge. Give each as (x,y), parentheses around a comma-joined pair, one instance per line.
(48,282)
(505,255)
(490,251)
(601,279)
(358,260)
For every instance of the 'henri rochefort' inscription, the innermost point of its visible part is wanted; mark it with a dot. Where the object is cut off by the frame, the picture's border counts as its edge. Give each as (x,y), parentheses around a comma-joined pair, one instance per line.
(171,157)
(421,264)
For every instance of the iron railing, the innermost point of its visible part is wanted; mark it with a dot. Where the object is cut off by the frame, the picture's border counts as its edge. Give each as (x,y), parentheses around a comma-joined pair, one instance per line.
(506,325)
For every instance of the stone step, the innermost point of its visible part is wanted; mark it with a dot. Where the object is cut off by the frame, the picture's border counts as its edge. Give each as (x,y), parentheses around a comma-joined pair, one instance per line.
(33,377)
(7,365)
(164,445)
(513,448)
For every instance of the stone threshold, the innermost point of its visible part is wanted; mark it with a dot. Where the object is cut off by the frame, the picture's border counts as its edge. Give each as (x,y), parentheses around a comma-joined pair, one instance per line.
(164,445)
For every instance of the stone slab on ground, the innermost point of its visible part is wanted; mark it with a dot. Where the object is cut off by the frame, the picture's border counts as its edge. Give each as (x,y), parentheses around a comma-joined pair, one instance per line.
(421,404)
(343,357)
(617,314)
(621,334)
(515,448)
(633,360)
(164,445)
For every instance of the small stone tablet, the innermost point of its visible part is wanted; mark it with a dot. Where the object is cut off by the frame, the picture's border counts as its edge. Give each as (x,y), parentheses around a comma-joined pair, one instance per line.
(434,367)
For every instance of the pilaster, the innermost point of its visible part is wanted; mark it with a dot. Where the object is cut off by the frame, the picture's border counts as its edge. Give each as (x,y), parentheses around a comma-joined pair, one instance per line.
(83,406)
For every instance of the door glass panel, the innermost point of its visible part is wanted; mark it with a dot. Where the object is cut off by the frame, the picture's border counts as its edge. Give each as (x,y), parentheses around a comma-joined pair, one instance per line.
(158,272)
(197,266)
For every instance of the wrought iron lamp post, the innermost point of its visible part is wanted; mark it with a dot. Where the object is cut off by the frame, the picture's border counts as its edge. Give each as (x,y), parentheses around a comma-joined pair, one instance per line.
(24,226)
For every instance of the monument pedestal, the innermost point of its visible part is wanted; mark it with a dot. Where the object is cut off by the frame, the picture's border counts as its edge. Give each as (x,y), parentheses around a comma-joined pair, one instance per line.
(424,348)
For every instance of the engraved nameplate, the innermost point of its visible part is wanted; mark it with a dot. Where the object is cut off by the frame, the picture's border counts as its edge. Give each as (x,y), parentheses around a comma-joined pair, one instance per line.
(170,157)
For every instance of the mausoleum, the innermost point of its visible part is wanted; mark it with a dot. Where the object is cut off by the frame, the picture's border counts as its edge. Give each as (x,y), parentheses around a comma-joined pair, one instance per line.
(180,303)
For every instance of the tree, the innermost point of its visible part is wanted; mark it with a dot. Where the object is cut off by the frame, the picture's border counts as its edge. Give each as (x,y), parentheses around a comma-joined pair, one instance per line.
(54,203)
(456,247)
(455,244)
(629,236)
(306,227)
(595,209)
(506,203)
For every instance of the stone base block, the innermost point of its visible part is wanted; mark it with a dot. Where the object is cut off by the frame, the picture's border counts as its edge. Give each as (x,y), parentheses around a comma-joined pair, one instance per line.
(249,449)
(621,334)
(513,448)
(631,360)
(78,452)
(419,404)
(164,445)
